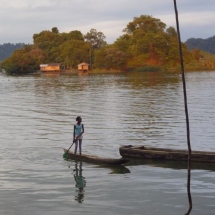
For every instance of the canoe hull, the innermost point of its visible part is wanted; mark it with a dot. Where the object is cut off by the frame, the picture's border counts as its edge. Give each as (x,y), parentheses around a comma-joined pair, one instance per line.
(145,152)
(95,159)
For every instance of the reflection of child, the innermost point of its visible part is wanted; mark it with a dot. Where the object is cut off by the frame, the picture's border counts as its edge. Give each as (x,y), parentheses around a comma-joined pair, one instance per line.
(77,134)
(80,183)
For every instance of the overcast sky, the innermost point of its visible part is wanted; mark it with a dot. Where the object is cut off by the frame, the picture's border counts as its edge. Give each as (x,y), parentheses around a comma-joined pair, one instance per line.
(20,19)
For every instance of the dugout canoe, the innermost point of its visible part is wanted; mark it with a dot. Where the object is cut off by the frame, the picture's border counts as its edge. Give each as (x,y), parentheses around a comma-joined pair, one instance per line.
(95,159)
(145,152)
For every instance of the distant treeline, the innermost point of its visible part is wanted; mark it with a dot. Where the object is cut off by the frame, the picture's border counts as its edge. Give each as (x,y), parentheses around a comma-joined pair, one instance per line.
(7,49)
(207,45)
(145,45)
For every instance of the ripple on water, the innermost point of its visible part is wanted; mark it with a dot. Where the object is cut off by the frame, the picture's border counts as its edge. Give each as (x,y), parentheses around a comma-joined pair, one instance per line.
(37,117)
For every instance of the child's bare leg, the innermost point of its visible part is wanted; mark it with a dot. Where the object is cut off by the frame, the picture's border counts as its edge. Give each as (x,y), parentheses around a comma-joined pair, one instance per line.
(80,146)
(76,146)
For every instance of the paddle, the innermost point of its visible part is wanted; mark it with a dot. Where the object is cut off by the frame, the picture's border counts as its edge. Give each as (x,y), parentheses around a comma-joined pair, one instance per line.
(65,155)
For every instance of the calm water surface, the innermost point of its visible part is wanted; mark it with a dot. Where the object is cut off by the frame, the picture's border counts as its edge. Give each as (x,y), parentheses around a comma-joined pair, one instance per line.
(37,117)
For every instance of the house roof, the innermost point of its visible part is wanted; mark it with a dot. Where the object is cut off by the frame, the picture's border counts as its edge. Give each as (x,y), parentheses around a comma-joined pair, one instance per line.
(81,64)
(50,64)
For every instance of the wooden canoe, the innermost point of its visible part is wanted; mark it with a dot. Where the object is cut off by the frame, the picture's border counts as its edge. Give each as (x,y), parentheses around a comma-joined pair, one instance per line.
(95,159)
(145,152)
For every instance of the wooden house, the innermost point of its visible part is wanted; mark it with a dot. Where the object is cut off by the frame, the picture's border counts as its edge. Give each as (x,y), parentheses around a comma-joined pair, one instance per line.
(83,67)
(51,67)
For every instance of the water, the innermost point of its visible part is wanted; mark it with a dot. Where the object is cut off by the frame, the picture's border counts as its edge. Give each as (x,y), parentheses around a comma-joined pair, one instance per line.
(37,117)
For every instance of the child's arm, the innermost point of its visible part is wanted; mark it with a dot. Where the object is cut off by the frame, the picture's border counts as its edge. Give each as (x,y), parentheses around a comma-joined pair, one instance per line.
(82,128)
(74,134)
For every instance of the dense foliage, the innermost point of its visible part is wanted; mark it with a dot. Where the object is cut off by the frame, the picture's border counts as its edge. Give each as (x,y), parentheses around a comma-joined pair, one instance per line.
(146,44)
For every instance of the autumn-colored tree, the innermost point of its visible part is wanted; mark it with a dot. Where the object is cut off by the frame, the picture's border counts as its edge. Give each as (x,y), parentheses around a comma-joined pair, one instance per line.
(20,62)
(146,43)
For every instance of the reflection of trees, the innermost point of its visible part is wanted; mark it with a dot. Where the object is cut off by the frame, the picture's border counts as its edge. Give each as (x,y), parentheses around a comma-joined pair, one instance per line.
(140,80)
(80,182)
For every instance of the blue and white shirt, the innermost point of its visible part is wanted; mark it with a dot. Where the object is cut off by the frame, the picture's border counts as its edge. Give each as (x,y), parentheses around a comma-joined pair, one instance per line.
(78,130)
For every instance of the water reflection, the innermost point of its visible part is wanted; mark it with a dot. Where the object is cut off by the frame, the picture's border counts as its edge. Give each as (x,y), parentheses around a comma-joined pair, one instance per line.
(116,169)
(152,79)
(172,164)
(120,109)
(188,188)
(80,182)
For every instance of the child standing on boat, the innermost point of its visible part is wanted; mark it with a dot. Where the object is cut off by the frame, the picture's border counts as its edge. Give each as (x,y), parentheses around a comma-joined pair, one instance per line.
(77,134)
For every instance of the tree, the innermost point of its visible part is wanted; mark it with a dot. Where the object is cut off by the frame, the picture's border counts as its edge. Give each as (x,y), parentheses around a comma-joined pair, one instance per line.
(55,30)
(147,41)
(110,58)
(123,42)
(38,56)
(73,52)
(20,62)
(43,39)
(145,24)
(75,35)
(97,39)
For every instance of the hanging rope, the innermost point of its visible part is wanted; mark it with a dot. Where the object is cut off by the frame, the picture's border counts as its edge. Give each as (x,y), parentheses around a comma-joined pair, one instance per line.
(186,112)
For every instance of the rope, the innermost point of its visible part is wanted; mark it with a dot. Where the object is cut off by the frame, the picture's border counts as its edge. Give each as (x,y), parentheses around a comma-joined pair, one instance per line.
(186,111)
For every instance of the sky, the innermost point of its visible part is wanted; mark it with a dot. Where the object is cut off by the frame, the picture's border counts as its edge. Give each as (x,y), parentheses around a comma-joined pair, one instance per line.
(21,19)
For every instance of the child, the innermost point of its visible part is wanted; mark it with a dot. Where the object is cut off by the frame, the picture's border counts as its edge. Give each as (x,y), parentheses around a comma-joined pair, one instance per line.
(77,134)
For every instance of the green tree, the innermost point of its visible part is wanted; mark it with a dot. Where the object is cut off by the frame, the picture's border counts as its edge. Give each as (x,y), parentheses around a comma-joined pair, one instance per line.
(75,35)
(145,43)
(148,41)
(145,24)
(110,58)
(43,39)
(73,52)
(97,39)
(55,30)
(123,42)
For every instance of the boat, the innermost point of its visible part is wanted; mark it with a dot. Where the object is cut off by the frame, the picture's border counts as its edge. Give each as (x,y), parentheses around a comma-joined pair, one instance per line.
(94,159)
(146,152)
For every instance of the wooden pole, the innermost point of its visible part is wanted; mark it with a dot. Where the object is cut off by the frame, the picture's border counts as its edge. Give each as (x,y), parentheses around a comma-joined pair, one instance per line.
(186,112)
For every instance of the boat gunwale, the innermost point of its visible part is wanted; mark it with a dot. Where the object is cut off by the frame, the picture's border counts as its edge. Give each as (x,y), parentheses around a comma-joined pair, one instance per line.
(96,159)
(145,152)
(148,148)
